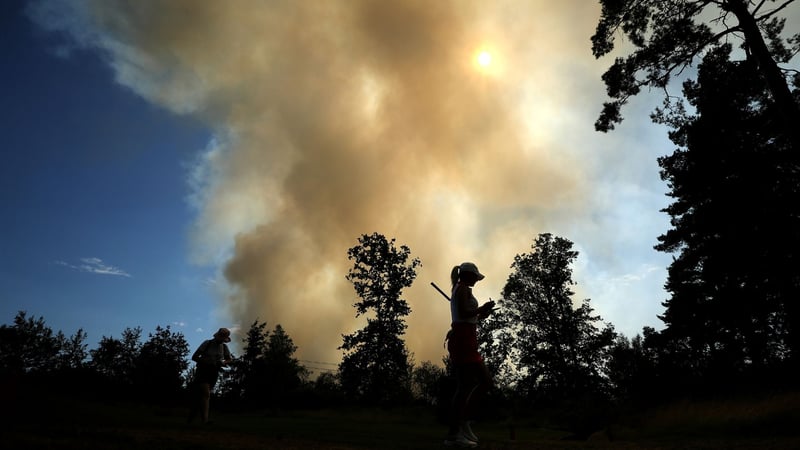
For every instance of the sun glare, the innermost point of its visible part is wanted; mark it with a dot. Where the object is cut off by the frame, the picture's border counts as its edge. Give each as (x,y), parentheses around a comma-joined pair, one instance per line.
(484,58)
(485,62)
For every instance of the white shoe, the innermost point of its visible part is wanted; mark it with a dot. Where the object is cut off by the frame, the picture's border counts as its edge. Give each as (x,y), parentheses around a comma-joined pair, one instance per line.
(460,440)
(466,431)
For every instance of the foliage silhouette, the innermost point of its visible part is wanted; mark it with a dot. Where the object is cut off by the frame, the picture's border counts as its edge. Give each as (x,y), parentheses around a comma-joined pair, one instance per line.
(114,359)
(733,309)
(267,374)
(668,36)
(160,365)
(375,366)
(555,350)
(29,346)
(425,379)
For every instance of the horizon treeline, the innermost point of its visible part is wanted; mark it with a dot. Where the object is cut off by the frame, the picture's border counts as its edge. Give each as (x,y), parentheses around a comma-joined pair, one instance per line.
(546,354)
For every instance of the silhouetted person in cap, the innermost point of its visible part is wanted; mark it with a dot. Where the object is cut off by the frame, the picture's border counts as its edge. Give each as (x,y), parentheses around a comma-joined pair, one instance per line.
(471,373)
(210,356)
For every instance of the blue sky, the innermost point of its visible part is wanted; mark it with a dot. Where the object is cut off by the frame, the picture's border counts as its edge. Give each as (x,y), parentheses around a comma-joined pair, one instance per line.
(210,165)
(93,198)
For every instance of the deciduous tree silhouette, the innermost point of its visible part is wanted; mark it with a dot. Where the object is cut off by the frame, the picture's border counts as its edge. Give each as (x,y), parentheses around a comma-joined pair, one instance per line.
(559,352)
(632,371)
(425,382)
(35,358)
(29,346)
(375,366)
(160,365)
(114,359)
(327,389)
(36,364)
(73,351)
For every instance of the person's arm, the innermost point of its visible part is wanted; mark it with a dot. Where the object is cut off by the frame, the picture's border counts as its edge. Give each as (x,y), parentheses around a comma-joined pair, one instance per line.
(199,355)
(226,357)
(486,310)
(464,308)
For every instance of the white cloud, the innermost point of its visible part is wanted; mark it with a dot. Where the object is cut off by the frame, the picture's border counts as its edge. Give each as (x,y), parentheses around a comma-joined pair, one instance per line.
(641,274)
(625,297)
(95,266)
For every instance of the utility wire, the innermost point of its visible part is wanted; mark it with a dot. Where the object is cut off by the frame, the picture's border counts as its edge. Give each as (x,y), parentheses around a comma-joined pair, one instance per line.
(319,362)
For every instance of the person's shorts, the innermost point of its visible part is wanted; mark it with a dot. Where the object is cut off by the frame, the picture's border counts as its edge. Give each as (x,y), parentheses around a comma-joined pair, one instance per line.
(462,343)
(206,374)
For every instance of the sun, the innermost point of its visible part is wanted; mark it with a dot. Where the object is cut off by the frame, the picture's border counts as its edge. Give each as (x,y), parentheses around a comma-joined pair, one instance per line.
(485,62)
(483,58)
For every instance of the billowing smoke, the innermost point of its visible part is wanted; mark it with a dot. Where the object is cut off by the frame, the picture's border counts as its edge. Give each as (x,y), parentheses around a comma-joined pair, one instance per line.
(333,119)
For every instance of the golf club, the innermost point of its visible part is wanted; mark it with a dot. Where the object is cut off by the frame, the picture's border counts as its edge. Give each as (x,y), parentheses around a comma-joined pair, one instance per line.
(448,298)
(440,291)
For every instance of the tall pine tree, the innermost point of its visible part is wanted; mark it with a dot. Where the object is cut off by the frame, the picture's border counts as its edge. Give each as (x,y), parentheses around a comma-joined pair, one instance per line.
(666,37)
(735,226)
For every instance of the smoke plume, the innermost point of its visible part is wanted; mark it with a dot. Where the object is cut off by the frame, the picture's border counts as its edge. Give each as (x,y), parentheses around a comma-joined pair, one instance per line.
(333,119)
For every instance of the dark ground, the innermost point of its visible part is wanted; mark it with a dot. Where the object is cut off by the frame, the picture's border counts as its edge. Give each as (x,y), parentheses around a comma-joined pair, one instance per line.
(70,424)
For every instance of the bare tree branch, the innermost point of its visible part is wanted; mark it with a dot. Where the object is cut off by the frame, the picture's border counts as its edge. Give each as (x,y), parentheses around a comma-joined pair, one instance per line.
(759,6)
(771,13)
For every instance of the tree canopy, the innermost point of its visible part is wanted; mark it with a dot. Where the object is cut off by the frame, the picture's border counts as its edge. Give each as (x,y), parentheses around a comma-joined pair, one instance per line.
(268,373)
(375,365)
(555,349)
(667,36)
(735,223)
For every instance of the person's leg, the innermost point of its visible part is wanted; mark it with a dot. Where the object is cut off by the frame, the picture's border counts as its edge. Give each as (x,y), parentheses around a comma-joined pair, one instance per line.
(459,433)
(465,384)
(482,382)
(194,401)
(463,349)
(205,396)
(478,382)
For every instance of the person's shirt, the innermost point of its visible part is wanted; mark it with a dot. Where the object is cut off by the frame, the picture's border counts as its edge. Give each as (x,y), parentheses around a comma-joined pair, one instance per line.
(455,311)
(212,353)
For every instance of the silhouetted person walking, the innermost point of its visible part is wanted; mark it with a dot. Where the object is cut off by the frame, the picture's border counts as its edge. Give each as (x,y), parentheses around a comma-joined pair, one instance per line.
(210,357)
(471,373)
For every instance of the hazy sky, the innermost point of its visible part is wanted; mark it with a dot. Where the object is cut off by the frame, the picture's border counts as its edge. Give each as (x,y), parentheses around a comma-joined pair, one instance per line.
(204,163)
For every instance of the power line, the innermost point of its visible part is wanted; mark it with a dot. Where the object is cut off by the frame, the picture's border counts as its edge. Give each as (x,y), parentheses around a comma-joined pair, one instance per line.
(319,362)
(320,369)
